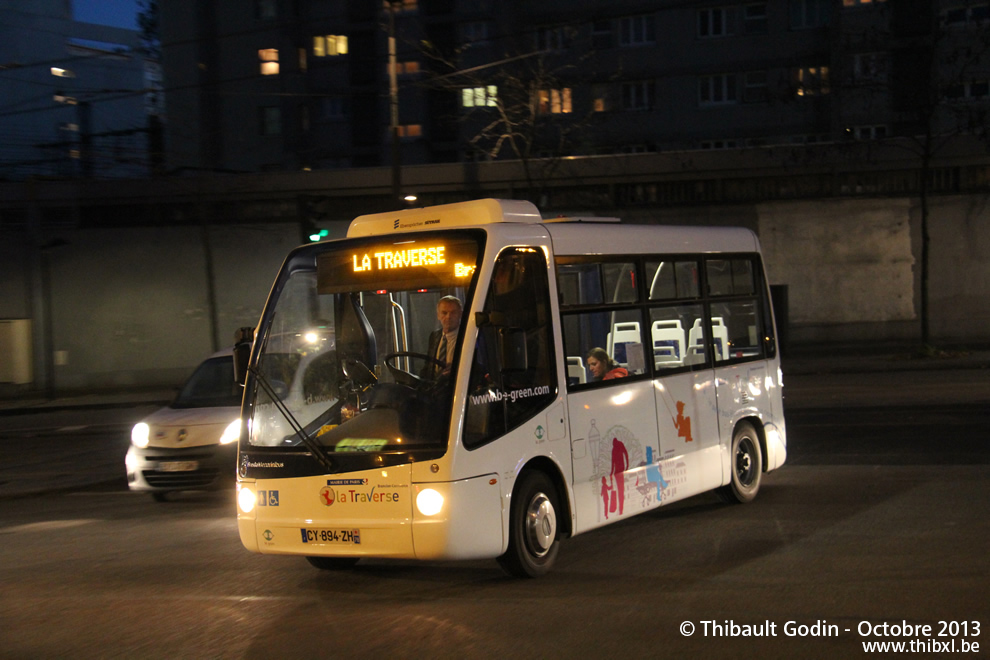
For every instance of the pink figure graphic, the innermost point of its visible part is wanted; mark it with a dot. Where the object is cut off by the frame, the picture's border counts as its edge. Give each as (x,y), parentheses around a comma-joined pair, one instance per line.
(682,423)
(620,463)
(606,491)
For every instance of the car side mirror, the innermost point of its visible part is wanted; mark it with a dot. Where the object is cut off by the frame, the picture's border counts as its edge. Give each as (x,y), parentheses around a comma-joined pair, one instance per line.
(243,339)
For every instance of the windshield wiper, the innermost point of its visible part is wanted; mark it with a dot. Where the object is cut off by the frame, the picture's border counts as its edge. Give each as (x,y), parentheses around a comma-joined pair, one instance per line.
(319,451)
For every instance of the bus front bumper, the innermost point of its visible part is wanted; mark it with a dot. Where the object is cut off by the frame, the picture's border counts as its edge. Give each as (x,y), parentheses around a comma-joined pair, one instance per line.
(376,513)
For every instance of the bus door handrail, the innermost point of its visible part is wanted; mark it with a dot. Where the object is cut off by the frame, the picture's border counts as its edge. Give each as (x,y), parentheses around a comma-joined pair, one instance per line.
(399,340)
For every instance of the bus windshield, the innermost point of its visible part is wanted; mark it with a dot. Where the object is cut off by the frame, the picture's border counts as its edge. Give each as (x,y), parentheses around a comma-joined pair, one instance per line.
(351,353)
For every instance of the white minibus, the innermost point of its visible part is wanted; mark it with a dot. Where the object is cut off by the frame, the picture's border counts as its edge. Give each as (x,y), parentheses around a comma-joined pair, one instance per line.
(474,381)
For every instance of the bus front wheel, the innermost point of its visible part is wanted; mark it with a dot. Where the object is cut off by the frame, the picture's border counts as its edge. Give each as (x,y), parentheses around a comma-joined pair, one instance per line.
(746,465)
(533,529)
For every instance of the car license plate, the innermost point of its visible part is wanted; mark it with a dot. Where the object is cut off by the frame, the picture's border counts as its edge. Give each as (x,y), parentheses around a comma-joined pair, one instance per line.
(338,536)
(178,466)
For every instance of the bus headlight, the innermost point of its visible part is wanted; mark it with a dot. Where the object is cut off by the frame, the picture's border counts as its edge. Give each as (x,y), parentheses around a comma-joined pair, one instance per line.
(231,433)
(429,502)
(245,499)
(140,435)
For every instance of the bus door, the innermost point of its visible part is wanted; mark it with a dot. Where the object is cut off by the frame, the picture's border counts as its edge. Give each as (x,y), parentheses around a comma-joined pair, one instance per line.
(684,385)
(512,386)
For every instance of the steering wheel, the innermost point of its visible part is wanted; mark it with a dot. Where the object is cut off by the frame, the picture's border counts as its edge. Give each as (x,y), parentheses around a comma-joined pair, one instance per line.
(358,372)
(408,378)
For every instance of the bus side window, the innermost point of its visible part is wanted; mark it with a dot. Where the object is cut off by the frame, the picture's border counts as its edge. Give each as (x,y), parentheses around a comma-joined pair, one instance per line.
(513,375)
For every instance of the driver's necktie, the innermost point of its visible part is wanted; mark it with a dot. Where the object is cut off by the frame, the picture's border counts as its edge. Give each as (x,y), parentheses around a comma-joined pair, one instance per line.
(442,353)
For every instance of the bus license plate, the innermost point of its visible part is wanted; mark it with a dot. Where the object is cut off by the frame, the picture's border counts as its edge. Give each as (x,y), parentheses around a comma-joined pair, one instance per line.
(345,536)
(179,466)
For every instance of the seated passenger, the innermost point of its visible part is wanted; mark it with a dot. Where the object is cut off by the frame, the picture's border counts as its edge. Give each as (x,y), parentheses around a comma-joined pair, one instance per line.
(603,367)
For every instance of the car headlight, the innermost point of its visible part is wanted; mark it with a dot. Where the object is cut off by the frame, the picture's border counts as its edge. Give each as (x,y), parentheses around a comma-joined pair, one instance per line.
(231,433)
(140,435)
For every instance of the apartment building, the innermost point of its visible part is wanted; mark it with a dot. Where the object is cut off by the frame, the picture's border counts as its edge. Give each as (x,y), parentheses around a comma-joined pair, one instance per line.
(74,97)
(309,84)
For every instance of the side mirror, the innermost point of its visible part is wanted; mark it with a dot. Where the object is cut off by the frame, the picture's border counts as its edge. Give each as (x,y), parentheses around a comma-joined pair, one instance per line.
(243,339)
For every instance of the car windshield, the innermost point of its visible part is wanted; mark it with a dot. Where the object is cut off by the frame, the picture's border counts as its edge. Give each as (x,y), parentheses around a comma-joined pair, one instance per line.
(211,385)
(349,352)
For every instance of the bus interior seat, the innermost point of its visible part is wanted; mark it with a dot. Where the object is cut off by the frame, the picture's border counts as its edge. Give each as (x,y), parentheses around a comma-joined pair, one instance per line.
(720,337)
(668,343)
(622,334)
(575,370)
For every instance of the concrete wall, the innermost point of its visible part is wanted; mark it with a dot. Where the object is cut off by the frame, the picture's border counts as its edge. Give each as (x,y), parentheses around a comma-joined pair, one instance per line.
(848,265)
(132,306)
(959,227)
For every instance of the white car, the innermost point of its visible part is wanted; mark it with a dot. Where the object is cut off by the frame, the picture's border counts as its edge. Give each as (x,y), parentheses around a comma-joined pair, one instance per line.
(192,443)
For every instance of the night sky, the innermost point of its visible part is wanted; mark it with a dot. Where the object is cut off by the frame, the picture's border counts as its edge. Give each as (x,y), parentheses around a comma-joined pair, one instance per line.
(118,13)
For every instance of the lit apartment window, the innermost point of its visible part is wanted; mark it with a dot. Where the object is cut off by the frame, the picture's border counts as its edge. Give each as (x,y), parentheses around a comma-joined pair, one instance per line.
(403,5)
(637,95)
(809,13)
(861,3)
(601,98)
(404,68)
(270,120)
(716,22)
(410,130)
(329,45)
(269,61)
(554,101)
(637,31)
(717,90)
(303,60)
(59,97)
(59,72)
(811,81)
(479,97)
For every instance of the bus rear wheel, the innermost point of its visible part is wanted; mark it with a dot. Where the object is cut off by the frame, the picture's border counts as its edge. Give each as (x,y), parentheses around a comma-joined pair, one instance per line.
(332,563)
(533,529)
(746,465)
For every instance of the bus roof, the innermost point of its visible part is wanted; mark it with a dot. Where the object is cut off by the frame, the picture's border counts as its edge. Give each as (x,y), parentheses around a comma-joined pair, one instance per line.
(459,214)
(570,235)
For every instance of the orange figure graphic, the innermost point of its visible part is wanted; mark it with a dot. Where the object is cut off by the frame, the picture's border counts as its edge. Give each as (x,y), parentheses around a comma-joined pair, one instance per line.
(620,463)
(682,423)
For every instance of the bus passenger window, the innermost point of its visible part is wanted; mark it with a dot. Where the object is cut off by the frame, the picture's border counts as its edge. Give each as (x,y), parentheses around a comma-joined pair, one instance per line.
(678,336)
(671,280)
(616,333)
(730,277)
(597,283)
(736,330)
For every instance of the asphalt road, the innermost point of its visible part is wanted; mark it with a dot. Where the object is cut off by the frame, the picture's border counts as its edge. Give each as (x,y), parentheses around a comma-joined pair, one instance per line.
(880,516)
